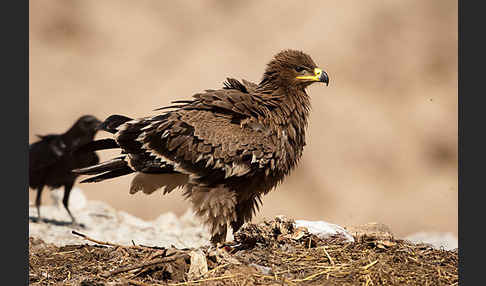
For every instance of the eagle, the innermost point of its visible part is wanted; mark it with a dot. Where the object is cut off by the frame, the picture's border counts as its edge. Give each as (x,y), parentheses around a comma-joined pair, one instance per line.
(225,148)
(52,158)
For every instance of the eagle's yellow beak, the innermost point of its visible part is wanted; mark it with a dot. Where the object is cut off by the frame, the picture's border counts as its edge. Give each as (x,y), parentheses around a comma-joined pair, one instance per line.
(319,75)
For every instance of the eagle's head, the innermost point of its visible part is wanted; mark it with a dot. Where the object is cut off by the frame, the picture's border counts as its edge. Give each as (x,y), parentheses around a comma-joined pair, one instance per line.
(291,68)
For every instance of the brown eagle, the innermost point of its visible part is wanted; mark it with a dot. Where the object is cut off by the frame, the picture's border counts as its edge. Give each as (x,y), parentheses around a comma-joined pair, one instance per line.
(225,148)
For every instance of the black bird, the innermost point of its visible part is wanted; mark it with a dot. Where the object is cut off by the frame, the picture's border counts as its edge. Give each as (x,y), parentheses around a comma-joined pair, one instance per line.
(52,158)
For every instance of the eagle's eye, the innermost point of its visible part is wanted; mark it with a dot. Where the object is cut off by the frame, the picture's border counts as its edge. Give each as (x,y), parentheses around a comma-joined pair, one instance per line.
(299,69)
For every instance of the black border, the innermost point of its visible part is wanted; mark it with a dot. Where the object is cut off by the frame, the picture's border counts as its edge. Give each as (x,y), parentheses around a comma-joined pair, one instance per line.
(15,141)
(16,121)
(471,144)
(460,113)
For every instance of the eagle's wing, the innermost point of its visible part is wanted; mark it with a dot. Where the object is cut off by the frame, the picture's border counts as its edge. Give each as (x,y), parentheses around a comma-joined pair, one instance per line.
(235,98)
(219,131)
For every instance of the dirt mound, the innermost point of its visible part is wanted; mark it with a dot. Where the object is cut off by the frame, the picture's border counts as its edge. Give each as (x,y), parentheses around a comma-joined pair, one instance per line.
(274,252)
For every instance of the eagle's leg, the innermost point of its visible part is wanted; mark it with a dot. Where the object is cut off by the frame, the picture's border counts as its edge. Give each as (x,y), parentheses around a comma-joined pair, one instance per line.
(38,201)
(244,212)
(240,217)
(219,236)
(65,200)
(216,206)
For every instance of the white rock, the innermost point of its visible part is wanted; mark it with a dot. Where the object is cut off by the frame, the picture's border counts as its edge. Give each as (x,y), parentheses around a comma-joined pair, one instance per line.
(56,196)
(128,219)
(188,218)
(445,240)
(199,265)
(324,229)
(167,220)
(104,223)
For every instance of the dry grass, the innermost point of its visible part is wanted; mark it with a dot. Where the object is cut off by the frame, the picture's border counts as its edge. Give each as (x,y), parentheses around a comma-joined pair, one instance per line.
(264,254)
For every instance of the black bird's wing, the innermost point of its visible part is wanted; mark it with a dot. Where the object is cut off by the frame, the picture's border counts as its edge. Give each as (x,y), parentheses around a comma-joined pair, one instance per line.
(46,152)
(43,155)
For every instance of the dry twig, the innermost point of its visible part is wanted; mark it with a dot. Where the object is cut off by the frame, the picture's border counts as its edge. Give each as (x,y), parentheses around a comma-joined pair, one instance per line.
(145,264)
(328,256)
(112,244)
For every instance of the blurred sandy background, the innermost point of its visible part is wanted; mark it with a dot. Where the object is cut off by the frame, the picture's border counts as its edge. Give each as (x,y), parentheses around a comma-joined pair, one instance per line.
(382,140)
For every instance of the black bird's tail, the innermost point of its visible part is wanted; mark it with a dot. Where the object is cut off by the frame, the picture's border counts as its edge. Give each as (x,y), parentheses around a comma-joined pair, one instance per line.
(96,145)
(110,169)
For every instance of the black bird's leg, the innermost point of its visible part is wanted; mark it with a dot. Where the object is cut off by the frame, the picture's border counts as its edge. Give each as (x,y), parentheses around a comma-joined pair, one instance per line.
(65,200)
(38,201)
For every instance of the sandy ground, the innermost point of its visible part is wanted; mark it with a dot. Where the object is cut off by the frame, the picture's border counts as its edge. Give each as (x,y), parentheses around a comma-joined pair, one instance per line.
(382,139)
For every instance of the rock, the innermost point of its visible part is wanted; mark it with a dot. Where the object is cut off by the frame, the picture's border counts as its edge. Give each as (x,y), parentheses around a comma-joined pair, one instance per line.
(104,223)
(438,240)
(77,199)
(325,230)
(199,265)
